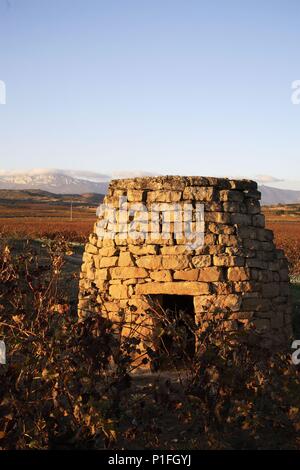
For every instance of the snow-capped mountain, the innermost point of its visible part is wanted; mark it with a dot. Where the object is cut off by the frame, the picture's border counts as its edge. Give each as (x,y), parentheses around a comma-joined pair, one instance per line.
(56,181)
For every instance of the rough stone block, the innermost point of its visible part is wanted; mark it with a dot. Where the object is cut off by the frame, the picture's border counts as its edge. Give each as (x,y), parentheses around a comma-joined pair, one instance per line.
(246,286)
(187,275)
(253,194)
(134,195)
(229,302)
(241,219)
(138,305)
(125,259)
(89,248)
(277,320)
(101,285)
(199,194)
(87,257)
(232,206)
(201,261)
(252,207)
(128,272)
(118,291)
(90,273)
(238,274)
(221,288)
(130,282)
(161,276)
(231,195)
(173,288)
(228,240)
(284,274)
(175,262)
(264,234)
(243,184)
(270,289)
(102,274)
(225,260)
(108,261)
(150,262)
(211,274)
(220,229)
(213,206)
(242,315)
(284,288)
(174,250)
(220,183)
(262,324)
(256,263)
(158,239)
(258,220)
(218,217)
(164,196)
(256,304)
(108,251)
(142,250)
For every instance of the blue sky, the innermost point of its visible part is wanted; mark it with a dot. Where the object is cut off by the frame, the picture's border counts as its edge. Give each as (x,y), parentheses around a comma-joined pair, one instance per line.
(165,86)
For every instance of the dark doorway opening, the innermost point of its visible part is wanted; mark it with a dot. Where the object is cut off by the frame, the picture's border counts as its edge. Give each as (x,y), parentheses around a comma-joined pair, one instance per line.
(174,331)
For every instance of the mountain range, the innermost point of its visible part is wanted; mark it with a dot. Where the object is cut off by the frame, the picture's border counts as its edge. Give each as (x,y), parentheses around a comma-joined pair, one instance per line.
(54,182)
(273,196)
(72,182)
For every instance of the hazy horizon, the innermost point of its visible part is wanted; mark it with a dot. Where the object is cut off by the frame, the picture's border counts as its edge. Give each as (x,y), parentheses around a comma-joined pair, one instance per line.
(262,180)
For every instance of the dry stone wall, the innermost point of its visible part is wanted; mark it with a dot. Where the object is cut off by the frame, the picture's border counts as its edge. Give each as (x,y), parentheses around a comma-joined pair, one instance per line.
(237,271)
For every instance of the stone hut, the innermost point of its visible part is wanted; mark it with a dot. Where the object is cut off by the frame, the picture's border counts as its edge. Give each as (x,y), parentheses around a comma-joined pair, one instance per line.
(185,242)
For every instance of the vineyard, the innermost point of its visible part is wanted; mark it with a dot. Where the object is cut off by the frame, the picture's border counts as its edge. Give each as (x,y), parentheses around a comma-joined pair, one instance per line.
(40,216)
(49,228)
(287,237)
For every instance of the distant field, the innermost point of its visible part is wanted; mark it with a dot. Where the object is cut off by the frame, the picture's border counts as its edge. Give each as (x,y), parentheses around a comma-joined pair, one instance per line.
(280,213)
(287,237)
(35,227)
(35,215)
(44,221)
(284,220)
